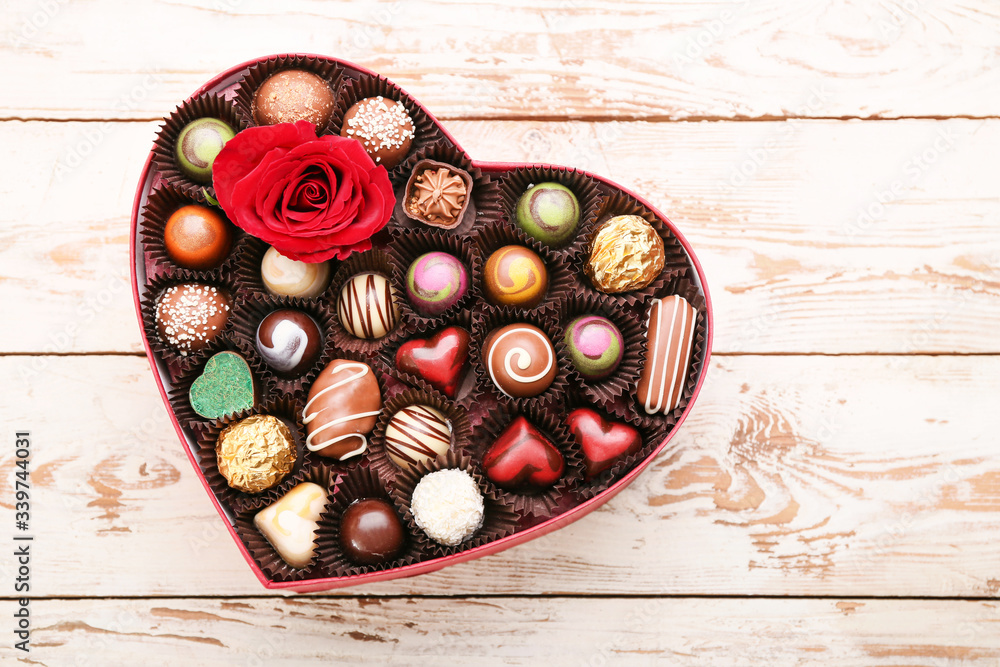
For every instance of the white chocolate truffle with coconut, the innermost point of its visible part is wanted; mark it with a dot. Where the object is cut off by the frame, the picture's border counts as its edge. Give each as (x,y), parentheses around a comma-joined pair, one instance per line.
(448,506)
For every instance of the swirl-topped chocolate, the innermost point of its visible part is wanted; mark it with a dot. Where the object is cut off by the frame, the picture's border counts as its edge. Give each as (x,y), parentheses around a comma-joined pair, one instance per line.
(520,360)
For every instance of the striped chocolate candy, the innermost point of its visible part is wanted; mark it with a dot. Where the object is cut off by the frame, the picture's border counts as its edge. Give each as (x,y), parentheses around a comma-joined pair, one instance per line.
(415,434)
(669,339)
(367,306)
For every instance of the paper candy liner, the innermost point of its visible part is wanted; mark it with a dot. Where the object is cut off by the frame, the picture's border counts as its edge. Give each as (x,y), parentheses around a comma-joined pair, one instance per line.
(409,244)
(202,106)
(499,519)
(265,555)
(626,376)
(179,395)
(396,400)
(377,261)
(425,130)
(160,205)
(675,261)
(553,500)
(286,408)
(628,404)
(256,74)
(468,393)
(491,238)
(651,436)
(255,309)
(360,484)
(482,200)
(488,318)
(178,364)
(587,190)
(247,274)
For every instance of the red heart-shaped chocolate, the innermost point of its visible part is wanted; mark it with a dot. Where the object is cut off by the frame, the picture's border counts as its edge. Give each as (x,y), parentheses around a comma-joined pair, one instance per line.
(522,459)
(440,359)
(604,442)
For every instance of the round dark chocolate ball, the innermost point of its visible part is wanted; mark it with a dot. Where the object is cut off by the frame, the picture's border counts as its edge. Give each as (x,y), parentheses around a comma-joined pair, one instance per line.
(549,213)
(515,276)
(289,341)
(520,360)
(196,237)
(384,128)
(189,316)
(595,346)
(197,146)
(371,532)
(435,282)
(292,95)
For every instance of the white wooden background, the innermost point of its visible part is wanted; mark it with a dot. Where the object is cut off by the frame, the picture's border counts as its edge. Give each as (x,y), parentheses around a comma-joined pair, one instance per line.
(834,498)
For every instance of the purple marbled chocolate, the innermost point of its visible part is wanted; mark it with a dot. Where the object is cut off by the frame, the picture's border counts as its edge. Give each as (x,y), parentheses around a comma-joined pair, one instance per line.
(435,282)
(595,346)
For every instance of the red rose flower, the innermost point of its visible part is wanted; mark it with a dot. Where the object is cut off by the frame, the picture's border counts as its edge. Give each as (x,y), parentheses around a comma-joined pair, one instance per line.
(311,198)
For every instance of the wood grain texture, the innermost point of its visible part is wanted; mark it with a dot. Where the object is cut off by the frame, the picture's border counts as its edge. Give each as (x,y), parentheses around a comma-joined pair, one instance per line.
(516,631)
(801,254)
(793,476)
(556,58)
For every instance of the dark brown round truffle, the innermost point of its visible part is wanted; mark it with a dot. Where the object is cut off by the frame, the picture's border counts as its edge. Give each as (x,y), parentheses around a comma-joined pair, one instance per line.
(520,360)
(289,341)
(189,316)
(383,127)
(196,237)
(292,95)
(371,532)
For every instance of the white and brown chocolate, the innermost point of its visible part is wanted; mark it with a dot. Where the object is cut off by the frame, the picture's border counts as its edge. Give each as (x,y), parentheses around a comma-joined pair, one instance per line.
(289,277)
(367,306)
(669,342)
(520,360)
(291,522)
(341,409)
(417,434)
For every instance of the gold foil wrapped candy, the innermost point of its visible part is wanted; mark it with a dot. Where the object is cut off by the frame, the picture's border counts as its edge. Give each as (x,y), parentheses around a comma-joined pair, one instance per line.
(626,254)
(255,453)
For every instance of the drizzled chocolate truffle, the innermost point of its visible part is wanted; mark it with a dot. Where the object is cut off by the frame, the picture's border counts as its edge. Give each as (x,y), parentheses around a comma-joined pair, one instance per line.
(293,95)
(383,127)
(189,316)
(341,409)
(520,360)
(367,306)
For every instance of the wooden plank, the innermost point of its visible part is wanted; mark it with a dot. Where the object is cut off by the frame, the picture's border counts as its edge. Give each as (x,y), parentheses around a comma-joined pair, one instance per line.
(576,58)
(515,631)
(803,475)
(801,254)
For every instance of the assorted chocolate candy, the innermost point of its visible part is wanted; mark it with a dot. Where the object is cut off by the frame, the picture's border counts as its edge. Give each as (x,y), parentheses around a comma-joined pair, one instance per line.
(535,356)
(289,277)
(197,146)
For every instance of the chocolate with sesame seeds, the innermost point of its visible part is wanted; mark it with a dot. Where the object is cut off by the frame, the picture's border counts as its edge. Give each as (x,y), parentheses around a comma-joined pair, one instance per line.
(384,127)
(189,316)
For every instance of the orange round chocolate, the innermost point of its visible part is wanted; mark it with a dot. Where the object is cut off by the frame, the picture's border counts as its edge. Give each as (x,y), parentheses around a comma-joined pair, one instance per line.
(197,237)
(515,276)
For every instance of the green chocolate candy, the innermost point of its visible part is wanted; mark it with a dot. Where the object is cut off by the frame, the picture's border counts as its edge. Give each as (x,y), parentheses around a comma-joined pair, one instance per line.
(225,387)
(198,144)
(549,213)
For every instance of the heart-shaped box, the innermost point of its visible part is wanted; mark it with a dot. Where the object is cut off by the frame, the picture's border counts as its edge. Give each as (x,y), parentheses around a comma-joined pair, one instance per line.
(225,96)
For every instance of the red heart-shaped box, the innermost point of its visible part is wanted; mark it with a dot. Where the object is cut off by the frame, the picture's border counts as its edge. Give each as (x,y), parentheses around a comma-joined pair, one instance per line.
(226,85)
